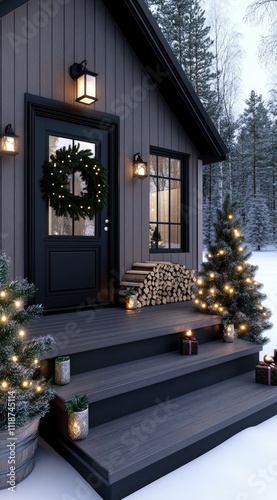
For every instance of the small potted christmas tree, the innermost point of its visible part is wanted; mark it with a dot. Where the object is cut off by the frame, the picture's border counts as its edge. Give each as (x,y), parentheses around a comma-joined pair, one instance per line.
(226,283)
(24,394)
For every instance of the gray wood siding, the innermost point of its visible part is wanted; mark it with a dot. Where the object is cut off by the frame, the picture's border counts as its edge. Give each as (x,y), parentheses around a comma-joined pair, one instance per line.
(37,61)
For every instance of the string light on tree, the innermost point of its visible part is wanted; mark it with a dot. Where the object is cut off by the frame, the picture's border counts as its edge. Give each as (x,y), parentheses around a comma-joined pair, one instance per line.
(19,357)
(226,282)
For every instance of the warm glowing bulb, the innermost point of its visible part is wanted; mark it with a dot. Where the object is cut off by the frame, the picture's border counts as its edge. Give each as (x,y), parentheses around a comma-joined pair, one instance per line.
(231,290)
(221,252)
(39,388)
(203,306)
(21,333)
(211,275)
(188,333)
(199,281)
(3,293)
(4,318)
(200,292)
(248,280)
(25,383)
(240,249)
(216,306)
(18,303)
(196,301)
(4,384)
(14,358)
(209,255)
(230,216)
(242,327)
(221,308)
(212,291)
(236,233)
(36,361)
(239,268)
(226,287)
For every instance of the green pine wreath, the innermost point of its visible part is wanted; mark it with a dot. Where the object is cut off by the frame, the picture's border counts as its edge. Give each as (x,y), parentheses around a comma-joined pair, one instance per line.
(55,183)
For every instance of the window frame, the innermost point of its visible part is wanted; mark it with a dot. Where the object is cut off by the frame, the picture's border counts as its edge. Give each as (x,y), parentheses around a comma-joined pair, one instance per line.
(184,203)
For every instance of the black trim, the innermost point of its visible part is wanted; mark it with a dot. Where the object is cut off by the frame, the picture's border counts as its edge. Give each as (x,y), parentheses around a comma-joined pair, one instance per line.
(184,199)
(48,108)
(7,6)
(151,47)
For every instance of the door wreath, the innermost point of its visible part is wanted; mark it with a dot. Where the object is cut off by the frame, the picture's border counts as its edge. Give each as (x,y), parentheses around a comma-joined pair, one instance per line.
(55,183)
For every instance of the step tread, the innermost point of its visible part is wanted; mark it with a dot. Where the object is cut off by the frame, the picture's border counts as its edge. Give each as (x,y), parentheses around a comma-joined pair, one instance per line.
(119,379)
(101,328)
(128,444)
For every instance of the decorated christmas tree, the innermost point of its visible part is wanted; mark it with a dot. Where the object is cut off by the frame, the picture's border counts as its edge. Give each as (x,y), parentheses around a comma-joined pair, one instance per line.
(226,283)
(24,394)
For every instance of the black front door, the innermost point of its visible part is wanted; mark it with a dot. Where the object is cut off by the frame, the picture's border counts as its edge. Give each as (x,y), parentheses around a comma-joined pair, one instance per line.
(69,261)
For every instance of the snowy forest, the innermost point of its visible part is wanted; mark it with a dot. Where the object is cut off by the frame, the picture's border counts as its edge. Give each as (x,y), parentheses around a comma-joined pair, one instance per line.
(209,51)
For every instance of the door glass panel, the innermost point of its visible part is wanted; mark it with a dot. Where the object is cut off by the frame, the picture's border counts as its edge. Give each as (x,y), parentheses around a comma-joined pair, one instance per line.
(66,226)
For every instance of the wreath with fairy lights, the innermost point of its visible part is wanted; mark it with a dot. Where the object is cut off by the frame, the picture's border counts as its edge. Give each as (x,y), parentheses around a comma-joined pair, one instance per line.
(55,184)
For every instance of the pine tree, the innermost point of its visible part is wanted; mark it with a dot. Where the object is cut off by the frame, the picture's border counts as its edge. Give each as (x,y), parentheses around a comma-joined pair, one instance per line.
(259,229)
(226,283)
(184,26)
(24,394)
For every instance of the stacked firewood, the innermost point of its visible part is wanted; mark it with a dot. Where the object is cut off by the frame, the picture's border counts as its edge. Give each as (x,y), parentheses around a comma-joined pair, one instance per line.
(159,283)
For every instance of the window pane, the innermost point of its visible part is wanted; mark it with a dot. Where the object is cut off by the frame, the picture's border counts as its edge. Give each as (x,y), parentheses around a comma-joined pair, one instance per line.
(175,201)
(163,232)
(84,227)
(56,142)
(65,226)
(153,200)
(163,166)
(175,169)
(58,226)
(163,200)
(153,165)
(86,145)
(175,236)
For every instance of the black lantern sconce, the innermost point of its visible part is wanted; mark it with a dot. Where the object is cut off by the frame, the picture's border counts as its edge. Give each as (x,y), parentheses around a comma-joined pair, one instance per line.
(85,82)
(139,167)
(9,142)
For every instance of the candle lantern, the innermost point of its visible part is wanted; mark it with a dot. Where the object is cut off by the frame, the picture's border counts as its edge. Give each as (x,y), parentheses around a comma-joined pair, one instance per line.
(62,370)
(139,167)
(131,301)
(78,417)
(228,333)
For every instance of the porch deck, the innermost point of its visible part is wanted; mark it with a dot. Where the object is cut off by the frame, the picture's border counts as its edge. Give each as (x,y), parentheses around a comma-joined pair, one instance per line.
(105,327)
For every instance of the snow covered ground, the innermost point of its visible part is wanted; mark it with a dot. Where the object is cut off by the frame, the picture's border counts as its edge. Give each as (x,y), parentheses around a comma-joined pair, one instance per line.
(242,468)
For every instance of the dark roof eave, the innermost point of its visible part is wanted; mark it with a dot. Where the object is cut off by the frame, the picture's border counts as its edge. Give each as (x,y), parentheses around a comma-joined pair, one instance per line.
(7,6)
(143,34)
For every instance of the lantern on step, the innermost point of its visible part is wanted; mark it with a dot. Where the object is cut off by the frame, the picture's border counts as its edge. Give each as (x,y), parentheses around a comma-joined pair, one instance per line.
(131,301)
(228,333)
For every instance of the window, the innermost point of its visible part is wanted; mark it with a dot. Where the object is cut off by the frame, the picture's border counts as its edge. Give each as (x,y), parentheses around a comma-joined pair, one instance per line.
(167,193)
(66,226)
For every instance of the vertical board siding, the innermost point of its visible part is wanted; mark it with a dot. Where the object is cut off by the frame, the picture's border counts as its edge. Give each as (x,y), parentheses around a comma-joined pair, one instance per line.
(8,213)
(72,32)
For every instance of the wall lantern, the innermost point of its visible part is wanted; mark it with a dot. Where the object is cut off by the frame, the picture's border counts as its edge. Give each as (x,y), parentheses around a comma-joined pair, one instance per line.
(85,83)
(9,142)
(139,166)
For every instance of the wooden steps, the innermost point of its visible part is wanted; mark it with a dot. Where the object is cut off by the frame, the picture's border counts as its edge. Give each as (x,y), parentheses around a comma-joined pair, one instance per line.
(152,409)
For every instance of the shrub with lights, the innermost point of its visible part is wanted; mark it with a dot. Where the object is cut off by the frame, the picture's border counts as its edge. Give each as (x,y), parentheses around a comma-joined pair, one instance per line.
(20,381)
(226,283)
